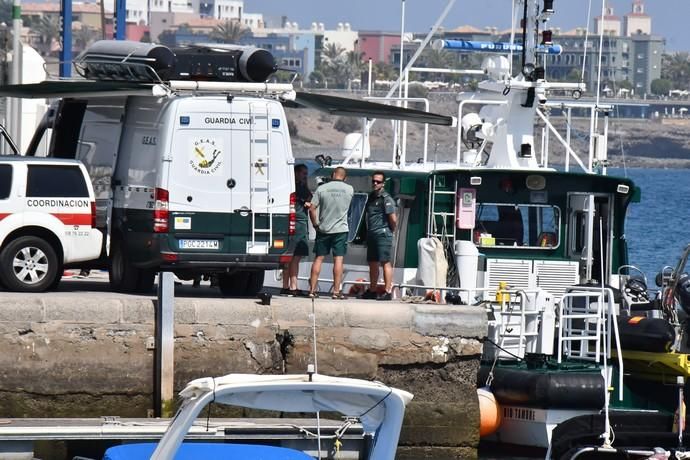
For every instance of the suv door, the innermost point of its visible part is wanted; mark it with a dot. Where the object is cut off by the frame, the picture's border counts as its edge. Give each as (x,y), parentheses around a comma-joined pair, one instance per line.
(61,191)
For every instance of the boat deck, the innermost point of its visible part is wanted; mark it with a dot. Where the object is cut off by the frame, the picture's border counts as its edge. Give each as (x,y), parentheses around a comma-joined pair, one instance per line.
(18,435)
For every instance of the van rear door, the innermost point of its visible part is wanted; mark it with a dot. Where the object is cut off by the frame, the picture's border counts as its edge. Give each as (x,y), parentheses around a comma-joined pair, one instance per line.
(208,183)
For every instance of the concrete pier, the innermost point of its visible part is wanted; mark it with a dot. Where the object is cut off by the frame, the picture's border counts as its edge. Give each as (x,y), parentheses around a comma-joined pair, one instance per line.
(85,352)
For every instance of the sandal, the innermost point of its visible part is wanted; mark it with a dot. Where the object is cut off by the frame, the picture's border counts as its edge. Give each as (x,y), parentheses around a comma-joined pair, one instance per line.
(338,296)
(313,295)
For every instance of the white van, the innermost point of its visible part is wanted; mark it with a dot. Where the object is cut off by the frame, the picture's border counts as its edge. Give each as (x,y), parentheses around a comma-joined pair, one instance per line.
(47,221)
(192,183)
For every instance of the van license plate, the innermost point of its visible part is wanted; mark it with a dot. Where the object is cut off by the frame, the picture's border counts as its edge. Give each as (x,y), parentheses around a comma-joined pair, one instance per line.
(199,244)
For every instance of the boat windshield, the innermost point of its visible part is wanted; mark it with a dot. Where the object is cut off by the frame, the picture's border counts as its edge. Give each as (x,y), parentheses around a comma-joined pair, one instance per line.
(523,226)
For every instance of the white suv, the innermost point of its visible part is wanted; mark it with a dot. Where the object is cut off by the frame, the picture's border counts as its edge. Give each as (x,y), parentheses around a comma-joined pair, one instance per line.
(47,220)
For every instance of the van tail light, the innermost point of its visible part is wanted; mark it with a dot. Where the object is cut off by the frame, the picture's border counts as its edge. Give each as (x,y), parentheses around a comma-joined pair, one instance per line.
(292,219)
(160,211)
(93,214)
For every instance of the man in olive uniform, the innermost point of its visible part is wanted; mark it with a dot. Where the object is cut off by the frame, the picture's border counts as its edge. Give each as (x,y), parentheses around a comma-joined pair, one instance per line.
(328,214)
(302,204)
(381,224)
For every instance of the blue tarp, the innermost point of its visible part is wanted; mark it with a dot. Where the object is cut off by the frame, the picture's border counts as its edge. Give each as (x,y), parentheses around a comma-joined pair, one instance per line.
(207,451)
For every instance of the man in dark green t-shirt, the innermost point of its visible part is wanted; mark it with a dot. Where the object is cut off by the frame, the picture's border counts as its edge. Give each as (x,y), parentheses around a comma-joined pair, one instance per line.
(301,237)
(381,224)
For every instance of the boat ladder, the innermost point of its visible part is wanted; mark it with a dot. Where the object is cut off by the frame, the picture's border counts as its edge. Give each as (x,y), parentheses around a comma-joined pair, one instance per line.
(588,325)
(438,224)
(259,189)
(519,328)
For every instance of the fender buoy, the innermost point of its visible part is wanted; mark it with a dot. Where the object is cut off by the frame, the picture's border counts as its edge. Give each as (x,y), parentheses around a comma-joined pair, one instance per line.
(434,296)
(490,416)
(357,289)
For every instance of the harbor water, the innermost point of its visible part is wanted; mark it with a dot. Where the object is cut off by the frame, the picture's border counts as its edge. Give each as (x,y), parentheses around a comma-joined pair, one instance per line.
(657,228)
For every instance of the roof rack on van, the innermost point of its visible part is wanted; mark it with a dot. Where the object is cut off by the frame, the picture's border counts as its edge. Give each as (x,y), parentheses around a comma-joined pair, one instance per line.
(283,90)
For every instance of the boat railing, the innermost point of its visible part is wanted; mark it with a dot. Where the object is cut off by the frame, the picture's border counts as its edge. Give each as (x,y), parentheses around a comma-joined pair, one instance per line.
(597,156)
(588,328)
(520,318)
(403,149)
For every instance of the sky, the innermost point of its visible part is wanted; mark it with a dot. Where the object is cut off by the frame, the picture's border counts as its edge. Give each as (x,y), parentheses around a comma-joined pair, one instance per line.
(670,18)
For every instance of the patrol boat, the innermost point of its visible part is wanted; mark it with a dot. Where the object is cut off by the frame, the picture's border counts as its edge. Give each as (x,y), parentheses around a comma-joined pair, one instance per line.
(543,248)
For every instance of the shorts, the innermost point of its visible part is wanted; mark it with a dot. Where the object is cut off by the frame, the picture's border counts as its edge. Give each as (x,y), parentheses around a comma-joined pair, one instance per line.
(301,239)
(327,243)
(379,247)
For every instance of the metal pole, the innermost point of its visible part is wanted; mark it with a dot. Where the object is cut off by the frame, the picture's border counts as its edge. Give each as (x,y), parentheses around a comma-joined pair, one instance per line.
(15,108)
(680,381)
(121,19)
(66,34)
(165,345)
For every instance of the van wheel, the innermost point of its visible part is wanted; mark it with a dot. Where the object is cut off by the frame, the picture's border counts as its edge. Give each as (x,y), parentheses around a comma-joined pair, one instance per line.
(124,277)
(232,284)
(28,264)
(255,283)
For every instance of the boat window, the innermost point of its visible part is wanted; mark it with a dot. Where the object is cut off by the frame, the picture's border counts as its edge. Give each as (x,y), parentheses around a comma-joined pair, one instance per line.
(355,215)
(524,226)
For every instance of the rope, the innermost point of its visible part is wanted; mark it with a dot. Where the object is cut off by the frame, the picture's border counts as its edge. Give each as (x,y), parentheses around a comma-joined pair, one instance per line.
(208,413)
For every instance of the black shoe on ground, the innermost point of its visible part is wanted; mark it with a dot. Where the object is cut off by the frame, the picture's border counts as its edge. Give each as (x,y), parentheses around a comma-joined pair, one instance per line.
(285,291)
(371,295)
(297,293)
(386,296)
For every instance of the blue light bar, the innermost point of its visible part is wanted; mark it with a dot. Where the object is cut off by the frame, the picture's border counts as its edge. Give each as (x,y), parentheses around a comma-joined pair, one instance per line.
(468,46)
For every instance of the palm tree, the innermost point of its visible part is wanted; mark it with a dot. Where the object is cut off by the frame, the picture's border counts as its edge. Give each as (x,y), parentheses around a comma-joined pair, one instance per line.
(331,52)
(84,37)
(230,31)
(48,29)
(676,68)
(352,65)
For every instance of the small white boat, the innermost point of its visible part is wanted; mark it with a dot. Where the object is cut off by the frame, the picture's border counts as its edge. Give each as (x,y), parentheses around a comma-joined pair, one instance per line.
(378,407)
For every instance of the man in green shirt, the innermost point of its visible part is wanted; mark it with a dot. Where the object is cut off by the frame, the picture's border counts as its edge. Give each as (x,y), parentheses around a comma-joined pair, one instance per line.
(301,237)
(328,214)
(381,224)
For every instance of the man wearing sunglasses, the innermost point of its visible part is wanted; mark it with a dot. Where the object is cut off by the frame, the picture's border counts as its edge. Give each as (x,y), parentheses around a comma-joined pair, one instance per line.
(381,224)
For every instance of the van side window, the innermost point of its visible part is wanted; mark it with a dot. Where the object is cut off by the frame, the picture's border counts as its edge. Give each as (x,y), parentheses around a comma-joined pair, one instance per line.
(5,181)
(57,181)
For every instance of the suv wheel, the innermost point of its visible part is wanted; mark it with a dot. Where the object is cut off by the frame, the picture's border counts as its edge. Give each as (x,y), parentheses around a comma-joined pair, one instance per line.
(28,264)
(125,277)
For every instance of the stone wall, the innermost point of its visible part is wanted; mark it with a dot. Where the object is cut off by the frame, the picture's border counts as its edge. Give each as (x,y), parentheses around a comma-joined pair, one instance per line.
(66,356)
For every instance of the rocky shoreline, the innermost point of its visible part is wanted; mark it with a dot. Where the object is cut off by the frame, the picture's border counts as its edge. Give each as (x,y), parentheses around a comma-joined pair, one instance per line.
(632,142)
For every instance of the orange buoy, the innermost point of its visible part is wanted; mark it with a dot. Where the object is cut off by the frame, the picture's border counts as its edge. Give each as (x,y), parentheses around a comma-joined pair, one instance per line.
(490,416)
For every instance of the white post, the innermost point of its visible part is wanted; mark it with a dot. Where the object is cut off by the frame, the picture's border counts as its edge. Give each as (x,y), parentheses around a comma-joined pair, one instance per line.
(16,103)
(567,138)
(165,344)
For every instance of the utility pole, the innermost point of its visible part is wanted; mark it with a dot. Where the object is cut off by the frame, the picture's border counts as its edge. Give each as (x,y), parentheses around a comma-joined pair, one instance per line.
(120,19)
(66,34)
